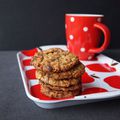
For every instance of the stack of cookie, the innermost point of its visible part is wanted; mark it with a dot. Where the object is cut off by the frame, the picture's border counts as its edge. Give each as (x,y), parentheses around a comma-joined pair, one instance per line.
(59,72)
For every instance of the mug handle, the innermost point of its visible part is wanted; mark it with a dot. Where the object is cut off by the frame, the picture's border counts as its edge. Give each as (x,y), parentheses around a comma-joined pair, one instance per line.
(106,33)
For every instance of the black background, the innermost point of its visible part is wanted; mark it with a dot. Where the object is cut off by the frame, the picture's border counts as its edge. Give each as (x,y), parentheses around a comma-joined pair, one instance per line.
(25,24)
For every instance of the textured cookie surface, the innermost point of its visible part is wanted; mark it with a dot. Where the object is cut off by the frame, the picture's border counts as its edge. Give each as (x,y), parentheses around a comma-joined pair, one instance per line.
(59,94)
(54,60)
(75,72)
(71,88)
(61,83)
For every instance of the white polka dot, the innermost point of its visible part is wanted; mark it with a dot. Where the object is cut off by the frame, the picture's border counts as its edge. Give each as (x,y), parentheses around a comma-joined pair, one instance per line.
(90,57)
(85,29)
(65,25)
(72,19)
(71,37)
(82,49)
(99,19)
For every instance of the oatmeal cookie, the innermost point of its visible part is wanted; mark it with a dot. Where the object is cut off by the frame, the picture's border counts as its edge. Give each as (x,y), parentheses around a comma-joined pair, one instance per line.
(54,60)
(74,72)
(70,88)
(59,94)
(61,83)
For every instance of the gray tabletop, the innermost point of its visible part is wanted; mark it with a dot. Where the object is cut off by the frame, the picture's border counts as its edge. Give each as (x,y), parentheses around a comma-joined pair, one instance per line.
(14,104)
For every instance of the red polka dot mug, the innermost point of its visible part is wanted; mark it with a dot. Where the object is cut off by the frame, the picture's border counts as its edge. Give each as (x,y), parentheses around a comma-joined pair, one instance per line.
(83,33)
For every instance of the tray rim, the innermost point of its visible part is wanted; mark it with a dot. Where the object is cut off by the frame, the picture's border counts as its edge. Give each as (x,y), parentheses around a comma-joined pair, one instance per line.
(94,96)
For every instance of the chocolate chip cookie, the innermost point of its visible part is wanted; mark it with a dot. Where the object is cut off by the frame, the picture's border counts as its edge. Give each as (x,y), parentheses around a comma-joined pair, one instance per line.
(54,60)
(70,88)
(58,93)
(75,72)
(61,83)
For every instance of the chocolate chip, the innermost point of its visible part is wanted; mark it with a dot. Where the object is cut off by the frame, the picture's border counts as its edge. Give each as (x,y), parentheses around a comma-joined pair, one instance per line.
(47,68)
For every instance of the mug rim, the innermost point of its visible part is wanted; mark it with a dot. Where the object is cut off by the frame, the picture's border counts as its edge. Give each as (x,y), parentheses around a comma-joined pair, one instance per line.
(84,15)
